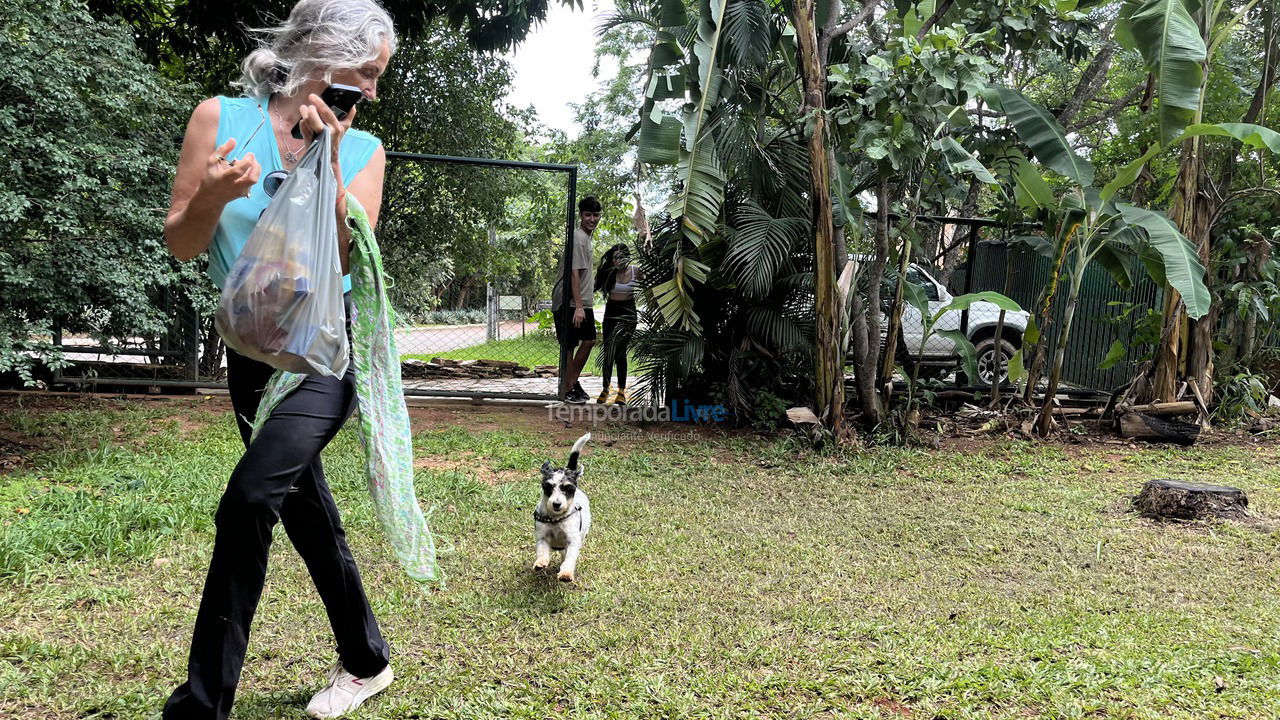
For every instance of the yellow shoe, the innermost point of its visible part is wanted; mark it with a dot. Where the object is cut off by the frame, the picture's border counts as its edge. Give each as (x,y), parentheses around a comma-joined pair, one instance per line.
(620,397)
(603,397)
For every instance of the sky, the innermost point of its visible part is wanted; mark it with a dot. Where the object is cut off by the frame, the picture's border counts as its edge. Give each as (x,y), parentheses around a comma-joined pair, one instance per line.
(553,65)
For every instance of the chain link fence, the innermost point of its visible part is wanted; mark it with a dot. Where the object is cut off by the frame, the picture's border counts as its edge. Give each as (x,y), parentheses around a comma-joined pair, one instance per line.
(471,249)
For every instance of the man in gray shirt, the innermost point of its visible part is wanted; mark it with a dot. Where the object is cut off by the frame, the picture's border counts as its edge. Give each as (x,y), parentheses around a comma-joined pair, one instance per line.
(576,325)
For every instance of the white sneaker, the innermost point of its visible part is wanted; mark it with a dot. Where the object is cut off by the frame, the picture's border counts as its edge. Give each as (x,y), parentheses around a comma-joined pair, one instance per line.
(345,692)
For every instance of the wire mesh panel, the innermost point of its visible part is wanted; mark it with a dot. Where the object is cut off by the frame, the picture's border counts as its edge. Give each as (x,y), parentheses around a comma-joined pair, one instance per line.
(1107,332)
(472,247)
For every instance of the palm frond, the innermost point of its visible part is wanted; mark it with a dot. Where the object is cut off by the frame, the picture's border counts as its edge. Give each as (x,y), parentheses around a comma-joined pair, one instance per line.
(620,19)
(747,40)
(760,248)
(774,329)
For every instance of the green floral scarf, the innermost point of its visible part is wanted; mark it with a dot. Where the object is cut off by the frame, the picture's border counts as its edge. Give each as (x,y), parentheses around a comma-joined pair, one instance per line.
(384,419)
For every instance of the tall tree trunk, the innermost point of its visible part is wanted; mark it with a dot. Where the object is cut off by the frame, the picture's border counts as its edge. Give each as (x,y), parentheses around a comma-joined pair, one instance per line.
(1200,355)
(829,364)
(1172,358)
(895,322)
(840,240)
(866,319)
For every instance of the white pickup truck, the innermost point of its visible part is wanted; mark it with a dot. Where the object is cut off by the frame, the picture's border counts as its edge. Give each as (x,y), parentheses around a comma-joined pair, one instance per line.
(936,355)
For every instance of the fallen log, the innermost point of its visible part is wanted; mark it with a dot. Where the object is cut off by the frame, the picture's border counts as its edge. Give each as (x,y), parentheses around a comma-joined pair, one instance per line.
(1145,427)
(1185,407)
(1166,499)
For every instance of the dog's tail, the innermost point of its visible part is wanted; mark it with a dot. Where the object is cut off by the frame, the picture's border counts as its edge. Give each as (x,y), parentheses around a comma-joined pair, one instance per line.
(577,449)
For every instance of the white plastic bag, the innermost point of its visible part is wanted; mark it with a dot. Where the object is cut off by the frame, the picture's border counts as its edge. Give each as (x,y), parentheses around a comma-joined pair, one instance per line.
(282,301)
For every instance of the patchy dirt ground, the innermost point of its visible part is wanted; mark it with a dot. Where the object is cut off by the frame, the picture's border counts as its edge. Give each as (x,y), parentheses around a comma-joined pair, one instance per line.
(191,412)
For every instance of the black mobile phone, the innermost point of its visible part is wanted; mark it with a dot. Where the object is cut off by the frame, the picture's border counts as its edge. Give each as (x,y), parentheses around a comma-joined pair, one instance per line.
(339,98)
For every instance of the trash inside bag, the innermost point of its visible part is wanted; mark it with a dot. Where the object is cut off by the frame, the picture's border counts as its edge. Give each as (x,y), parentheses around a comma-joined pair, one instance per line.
(282,300)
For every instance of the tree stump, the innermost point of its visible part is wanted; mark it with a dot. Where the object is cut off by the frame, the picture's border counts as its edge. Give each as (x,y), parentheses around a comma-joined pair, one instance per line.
(1176,500)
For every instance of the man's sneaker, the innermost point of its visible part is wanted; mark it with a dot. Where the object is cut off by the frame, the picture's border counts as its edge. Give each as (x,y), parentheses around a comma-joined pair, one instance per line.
(577,389)
(345,692)
(576,396)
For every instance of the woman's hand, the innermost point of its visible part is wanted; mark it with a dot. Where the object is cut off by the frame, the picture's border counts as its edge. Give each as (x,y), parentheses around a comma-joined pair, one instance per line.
(224,182)
(315,118)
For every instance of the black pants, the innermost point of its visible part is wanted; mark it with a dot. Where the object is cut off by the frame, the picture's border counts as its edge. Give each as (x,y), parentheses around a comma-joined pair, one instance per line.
(619,325)
(278,478)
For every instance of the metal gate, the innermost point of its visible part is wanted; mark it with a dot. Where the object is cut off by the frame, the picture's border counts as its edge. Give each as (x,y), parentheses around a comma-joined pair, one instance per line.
(493,339)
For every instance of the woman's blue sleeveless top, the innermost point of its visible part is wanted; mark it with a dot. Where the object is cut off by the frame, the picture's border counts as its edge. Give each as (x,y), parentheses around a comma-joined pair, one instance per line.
(237,119)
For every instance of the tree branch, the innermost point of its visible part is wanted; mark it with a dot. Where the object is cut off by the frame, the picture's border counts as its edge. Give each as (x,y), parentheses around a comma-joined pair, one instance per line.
(933,19)
(832,31)
(1093,78)
(1237,195)
(1115,109)
(1269,66)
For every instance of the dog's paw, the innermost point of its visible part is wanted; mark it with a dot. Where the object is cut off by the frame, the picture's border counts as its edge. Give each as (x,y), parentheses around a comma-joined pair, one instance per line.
(565,576)
(541,563)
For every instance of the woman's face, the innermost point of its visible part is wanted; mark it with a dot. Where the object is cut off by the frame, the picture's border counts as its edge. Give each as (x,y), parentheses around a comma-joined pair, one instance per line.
(621,260)
(366,76)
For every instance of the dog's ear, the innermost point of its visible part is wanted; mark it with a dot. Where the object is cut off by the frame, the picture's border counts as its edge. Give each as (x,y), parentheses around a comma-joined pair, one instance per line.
(577,474)
(546,468)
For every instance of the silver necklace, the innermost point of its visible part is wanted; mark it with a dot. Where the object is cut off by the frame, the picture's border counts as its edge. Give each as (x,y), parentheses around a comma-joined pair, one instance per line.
(290,156)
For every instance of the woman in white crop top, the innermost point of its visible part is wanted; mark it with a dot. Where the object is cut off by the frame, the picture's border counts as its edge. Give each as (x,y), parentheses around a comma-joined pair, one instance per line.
(617,278)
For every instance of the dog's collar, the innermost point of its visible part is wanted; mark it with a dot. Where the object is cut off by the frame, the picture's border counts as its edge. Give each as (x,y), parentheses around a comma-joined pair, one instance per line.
(539,517)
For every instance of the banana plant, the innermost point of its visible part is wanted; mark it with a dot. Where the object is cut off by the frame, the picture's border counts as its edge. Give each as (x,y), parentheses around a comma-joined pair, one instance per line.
(691,73)
(1178,40)
(1086,225)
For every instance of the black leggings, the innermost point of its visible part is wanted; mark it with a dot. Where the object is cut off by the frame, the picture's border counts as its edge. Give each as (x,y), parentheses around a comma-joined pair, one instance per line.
(619,325)
(279,478)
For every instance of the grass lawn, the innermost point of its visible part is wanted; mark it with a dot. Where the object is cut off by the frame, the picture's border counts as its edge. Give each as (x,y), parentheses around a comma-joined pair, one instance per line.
(532,349)
(726,577)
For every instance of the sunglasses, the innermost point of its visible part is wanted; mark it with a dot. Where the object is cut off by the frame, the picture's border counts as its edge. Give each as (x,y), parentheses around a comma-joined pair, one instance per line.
(272,182)
(243,147)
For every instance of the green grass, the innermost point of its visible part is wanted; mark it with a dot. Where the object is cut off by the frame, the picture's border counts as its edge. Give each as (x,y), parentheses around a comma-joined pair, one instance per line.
(532,349)
(725,578)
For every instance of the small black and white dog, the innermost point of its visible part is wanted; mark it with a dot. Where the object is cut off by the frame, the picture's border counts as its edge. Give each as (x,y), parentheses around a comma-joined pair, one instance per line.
(563,516)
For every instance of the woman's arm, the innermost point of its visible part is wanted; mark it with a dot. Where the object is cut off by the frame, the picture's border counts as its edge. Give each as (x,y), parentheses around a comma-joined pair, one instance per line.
(367,185)
(204,184)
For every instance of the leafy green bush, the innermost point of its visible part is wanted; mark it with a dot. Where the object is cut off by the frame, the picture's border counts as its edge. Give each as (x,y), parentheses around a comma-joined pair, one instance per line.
(1241,394)
(452,317)
(546,320)
(91,138)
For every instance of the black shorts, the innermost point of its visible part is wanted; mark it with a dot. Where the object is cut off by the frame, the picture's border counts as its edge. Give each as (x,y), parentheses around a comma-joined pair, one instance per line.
(567,334)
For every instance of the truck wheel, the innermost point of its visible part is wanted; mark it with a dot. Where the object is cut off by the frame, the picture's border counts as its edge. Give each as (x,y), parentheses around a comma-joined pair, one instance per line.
(993,360)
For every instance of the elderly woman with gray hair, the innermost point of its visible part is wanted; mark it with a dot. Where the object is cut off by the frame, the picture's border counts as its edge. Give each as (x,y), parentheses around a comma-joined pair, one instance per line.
(233,148)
